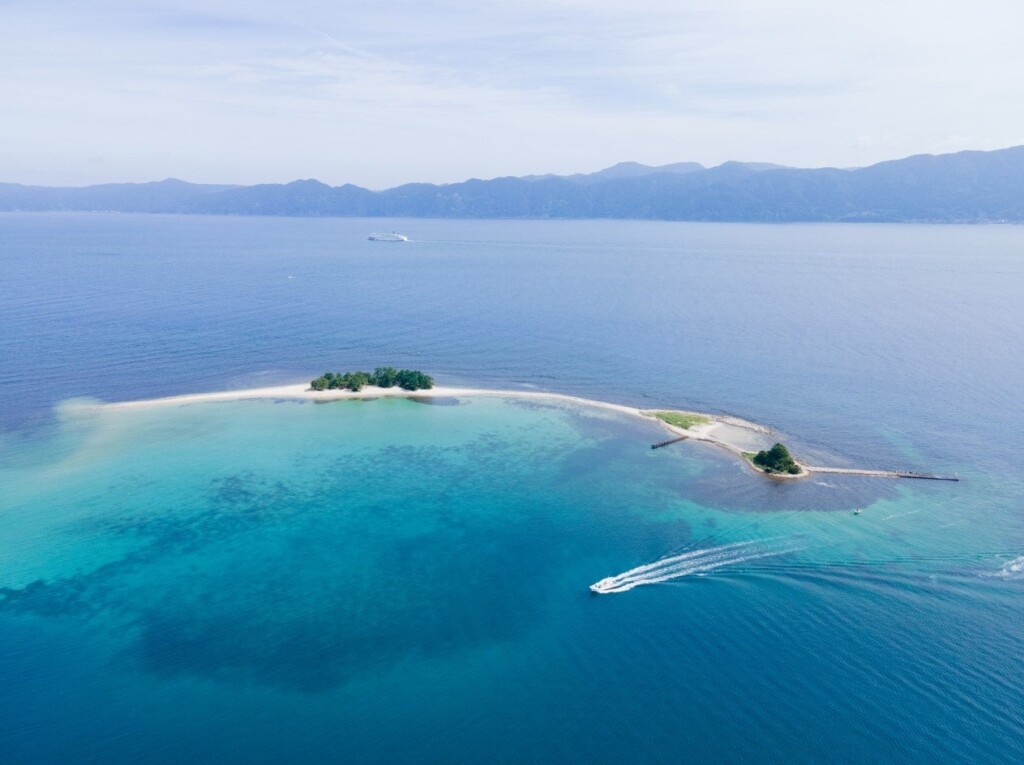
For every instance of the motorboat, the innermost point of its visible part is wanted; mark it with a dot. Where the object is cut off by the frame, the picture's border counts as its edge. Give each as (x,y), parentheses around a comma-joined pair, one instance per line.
(392,237)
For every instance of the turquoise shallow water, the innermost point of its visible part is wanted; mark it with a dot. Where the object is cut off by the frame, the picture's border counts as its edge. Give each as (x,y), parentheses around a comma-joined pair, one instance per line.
(393,581)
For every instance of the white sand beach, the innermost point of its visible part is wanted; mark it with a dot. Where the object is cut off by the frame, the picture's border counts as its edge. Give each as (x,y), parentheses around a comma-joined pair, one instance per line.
(705,431)
(731,433)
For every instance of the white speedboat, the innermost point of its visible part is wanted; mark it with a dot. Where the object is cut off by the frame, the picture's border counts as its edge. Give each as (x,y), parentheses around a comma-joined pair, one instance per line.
(605,585)
(392,237)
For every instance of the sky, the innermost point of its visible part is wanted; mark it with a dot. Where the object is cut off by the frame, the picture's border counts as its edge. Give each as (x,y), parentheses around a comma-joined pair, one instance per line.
(383,92)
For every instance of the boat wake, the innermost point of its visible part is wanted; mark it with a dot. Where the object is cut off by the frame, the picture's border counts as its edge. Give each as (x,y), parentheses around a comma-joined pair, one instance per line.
(692,562)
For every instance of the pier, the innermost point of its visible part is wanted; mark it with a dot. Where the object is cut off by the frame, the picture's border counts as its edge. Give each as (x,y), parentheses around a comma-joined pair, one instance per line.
(671,441)
(881,473)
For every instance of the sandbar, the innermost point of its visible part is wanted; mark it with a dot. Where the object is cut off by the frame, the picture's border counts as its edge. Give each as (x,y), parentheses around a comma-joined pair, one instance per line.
(711,429)
(705,431)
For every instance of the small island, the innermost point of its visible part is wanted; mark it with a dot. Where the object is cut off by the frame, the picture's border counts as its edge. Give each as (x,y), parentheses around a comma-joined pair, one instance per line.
(382,377)
(776,460)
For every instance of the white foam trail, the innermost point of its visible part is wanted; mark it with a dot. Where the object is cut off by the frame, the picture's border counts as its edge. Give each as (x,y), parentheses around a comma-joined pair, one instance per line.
(675,559)
(699,570)
(694,562)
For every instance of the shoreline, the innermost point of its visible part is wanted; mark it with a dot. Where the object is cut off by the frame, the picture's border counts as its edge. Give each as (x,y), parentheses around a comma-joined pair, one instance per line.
(699,432)
(303,392)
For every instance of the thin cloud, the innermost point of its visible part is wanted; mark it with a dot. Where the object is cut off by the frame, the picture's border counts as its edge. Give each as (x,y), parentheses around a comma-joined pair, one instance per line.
(388,92)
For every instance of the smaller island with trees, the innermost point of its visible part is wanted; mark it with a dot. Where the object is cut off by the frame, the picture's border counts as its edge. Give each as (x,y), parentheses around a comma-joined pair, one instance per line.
(775,460)
(382,377)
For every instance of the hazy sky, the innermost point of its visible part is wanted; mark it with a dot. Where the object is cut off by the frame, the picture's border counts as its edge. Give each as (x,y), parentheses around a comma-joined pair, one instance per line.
(382,92)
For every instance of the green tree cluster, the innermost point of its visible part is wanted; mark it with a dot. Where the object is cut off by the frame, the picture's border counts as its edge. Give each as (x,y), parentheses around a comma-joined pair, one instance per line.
(776,460)
(382,377)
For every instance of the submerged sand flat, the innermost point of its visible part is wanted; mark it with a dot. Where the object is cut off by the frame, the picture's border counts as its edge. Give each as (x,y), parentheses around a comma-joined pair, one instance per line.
(726,431)
(302,392)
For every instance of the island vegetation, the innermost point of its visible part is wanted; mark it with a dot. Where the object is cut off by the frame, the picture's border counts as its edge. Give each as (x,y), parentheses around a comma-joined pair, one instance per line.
(684,420)
(775,460)
(382,377)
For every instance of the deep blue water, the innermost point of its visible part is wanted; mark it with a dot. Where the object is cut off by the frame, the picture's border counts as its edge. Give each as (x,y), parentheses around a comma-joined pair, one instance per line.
(393,582)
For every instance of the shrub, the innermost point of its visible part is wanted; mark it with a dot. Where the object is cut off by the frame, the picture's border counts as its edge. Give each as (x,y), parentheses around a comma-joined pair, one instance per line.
(382,377)
(777,459)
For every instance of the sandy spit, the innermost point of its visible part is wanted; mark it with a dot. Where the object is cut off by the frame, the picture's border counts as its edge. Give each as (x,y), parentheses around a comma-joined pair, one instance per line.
(302,392)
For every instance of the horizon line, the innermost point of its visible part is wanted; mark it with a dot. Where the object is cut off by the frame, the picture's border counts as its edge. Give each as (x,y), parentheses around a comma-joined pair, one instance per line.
(538,176)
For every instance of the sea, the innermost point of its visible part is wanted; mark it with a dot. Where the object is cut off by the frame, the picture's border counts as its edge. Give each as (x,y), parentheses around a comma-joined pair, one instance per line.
(407,581)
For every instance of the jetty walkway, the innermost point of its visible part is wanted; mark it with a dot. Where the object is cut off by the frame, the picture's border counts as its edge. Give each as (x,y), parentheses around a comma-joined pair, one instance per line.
(881,473)
(671,441)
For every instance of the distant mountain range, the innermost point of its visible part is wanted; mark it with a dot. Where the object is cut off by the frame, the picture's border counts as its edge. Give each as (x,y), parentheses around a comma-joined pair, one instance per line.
(969,186)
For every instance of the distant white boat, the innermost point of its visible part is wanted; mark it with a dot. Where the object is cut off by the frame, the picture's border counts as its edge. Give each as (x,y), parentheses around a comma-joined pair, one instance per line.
(392,237)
